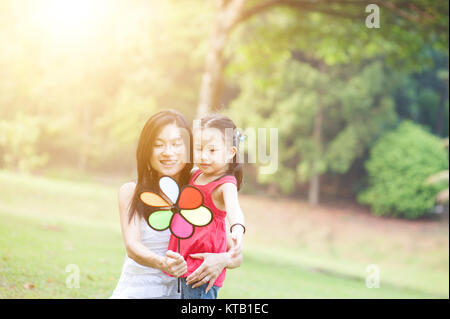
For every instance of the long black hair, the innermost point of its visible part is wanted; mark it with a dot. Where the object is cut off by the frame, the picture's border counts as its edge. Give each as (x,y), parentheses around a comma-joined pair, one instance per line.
(224,123)
(147,179)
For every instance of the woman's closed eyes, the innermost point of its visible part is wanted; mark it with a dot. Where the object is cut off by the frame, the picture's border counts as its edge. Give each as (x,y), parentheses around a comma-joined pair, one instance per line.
(177,143)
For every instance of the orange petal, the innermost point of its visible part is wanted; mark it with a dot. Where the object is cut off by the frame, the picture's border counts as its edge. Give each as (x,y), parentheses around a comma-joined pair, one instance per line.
(190,198)
(154,200)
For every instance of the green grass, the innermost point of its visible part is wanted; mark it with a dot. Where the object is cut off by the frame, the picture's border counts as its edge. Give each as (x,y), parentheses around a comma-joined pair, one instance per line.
(47,224)
(32,253)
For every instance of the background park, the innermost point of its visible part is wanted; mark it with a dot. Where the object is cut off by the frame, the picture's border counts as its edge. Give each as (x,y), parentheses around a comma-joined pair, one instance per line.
(358,207)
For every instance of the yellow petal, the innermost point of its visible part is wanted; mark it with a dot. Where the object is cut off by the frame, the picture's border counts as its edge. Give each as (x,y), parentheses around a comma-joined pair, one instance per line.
(201,216)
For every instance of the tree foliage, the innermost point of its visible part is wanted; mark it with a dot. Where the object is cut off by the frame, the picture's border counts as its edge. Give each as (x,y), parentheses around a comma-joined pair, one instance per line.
(357,108)
(398,168)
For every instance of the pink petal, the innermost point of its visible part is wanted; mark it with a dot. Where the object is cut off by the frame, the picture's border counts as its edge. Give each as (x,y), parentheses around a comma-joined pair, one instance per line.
(180,227)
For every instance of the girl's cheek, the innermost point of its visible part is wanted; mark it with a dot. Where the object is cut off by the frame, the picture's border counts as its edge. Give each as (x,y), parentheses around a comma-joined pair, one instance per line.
(223,158)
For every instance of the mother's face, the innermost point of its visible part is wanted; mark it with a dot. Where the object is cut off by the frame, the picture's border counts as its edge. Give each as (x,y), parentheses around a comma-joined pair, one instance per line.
(169,154)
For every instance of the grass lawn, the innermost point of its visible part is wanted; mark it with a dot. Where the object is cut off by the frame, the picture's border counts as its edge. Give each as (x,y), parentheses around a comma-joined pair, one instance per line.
(47,224)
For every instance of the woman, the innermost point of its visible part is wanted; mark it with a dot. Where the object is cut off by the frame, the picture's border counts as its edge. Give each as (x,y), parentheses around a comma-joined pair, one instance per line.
(164,148)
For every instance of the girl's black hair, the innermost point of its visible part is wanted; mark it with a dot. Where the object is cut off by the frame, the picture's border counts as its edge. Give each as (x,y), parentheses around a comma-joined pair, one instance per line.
(222,123)
(147,179)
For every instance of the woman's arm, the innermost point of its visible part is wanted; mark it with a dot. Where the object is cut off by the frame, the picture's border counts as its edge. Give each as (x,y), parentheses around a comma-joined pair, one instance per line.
(172,263)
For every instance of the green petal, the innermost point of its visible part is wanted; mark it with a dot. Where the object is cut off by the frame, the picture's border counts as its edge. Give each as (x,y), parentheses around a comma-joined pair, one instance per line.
(160,219)
(201,216)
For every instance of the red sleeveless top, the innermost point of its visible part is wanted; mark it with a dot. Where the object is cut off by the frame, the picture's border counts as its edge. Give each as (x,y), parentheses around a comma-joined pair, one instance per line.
(211,238)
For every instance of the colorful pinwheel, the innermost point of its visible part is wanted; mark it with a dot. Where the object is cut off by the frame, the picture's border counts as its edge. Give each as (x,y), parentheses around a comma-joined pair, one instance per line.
(182,213)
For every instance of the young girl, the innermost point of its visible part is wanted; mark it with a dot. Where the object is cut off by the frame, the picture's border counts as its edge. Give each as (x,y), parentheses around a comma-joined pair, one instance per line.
(219,179)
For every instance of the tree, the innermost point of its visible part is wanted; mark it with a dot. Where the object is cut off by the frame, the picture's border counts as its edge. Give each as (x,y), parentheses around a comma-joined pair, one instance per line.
(423,95)
(295,26)
(409,22)
(93,93)
(355,106)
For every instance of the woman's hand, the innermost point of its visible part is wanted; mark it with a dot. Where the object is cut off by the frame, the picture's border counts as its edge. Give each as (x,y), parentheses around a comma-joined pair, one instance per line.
(174,264)
(213,264)
(209,270)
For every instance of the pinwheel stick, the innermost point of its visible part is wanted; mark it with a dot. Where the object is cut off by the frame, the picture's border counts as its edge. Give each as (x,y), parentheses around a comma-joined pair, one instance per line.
(179,280)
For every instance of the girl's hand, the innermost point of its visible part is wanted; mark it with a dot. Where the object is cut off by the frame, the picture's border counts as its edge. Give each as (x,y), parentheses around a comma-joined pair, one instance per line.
(209,270)
(236,236)
(174,264)
(236,249)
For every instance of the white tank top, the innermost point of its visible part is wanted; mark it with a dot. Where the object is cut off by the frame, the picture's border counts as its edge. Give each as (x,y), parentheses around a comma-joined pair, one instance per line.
(137,281)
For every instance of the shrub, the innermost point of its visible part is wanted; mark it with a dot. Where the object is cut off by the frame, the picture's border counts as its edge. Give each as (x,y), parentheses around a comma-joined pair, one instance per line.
(18,143)
(398,167)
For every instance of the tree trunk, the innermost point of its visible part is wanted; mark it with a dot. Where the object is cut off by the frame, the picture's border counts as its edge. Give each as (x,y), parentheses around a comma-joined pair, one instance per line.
(211,78)
(314,184)
(85,138)
(227,14)
(442,102)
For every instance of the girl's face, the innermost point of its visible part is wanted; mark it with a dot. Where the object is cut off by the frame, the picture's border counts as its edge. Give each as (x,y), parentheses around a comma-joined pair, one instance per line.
(211,153)
(169,151)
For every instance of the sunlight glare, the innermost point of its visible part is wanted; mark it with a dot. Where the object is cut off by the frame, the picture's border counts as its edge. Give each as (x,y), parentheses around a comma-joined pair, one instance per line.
(69,18)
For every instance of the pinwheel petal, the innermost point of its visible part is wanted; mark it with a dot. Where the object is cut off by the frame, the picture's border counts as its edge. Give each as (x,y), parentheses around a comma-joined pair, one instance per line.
(160,219)
(169,187)
(180,228)
(190,198)
(153,200)
(201,216)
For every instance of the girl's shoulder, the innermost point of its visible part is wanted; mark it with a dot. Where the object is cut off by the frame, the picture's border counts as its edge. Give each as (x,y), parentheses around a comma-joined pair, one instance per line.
(227,179)
(227,182)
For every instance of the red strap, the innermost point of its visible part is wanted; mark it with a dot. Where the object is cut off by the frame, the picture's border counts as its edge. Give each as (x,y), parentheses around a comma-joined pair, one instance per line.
(226,179)
(195,175)
(213,185)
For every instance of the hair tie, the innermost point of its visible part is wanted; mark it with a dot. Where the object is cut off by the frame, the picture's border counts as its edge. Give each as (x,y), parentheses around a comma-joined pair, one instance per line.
(239,137)
(231,228)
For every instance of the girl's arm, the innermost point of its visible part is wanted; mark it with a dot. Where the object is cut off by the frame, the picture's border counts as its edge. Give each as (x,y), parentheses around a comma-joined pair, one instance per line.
(172,263)
(235,216)
(233,256)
